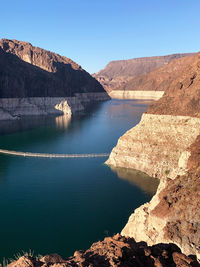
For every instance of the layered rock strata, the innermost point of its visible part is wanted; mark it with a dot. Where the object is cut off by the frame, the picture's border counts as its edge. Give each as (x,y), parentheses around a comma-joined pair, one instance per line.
(158,145)
(115,251)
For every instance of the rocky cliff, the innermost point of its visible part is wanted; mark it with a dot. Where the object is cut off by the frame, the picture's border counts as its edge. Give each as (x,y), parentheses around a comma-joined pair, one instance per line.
(28,72)
(121,78)
(165,144)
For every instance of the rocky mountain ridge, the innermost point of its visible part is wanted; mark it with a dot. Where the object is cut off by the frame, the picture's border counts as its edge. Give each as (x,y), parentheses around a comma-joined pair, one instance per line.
(117,74)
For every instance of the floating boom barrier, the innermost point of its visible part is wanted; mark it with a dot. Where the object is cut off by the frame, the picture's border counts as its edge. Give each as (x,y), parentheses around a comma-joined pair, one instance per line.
(48,155)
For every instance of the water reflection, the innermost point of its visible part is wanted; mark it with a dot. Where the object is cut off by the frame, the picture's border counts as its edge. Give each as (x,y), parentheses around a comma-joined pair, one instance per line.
(62,122)
(148,184)
(133,107)
(32,122)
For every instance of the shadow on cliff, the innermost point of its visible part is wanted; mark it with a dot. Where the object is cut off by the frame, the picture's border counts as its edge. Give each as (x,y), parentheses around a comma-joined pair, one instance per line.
(21,79)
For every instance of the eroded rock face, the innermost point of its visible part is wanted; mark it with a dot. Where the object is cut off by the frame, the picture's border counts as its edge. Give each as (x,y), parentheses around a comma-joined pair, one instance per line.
(116,251)
(119,75)
(171,216)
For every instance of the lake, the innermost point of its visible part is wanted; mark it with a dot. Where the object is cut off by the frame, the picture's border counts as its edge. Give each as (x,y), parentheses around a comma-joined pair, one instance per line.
(62,205)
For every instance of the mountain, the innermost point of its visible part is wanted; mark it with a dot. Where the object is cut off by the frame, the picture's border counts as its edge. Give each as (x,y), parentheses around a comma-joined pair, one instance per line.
(34,81)
(117,73)
(28,71)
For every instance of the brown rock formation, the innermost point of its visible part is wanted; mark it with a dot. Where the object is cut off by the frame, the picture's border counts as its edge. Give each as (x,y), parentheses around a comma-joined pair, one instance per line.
(119,75)
(115,251)
(28,71)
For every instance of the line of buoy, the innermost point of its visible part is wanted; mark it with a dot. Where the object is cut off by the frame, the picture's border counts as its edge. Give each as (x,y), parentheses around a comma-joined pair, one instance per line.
(47,155)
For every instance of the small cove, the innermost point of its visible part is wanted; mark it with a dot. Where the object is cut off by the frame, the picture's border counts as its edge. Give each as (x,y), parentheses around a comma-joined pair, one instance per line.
(62,205)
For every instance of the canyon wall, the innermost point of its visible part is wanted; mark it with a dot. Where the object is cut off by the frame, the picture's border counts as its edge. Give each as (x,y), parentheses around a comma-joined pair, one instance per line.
(165,144)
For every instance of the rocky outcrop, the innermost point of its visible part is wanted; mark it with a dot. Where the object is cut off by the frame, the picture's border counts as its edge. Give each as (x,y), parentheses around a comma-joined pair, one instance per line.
(34,81)
(165,144)
(158,145)
(172,216)
(119,75)
(115,251)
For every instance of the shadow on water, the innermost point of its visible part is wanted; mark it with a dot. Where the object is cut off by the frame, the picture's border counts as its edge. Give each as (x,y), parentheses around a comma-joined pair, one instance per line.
(137,178)
(42,128)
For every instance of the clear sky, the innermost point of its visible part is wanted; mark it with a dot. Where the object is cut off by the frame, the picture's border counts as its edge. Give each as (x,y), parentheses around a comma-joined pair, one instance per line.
(94,32)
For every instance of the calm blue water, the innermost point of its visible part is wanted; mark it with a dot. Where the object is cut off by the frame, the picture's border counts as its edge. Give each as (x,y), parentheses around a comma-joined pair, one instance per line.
(61,205)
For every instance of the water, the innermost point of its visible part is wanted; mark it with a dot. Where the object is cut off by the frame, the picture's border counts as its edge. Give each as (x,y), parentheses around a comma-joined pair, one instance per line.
(61,205)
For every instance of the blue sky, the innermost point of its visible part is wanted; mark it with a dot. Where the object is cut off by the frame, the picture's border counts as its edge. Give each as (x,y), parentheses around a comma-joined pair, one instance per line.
(94,32)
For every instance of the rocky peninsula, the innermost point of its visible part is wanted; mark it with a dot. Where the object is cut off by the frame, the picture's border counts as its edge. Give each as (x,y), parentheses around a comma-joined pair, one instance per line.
(34,81)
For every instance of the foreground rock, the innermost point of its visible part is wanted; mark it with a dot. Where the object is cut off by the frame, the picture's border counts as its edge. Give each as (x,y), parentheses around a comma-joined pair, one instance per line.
(122,78)
(115,251)
(34,81)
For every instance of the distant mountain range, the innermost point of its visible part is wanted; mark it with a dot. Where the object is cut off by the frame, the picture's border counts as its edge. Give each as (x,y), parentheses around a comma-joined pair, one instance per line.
(124,74)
